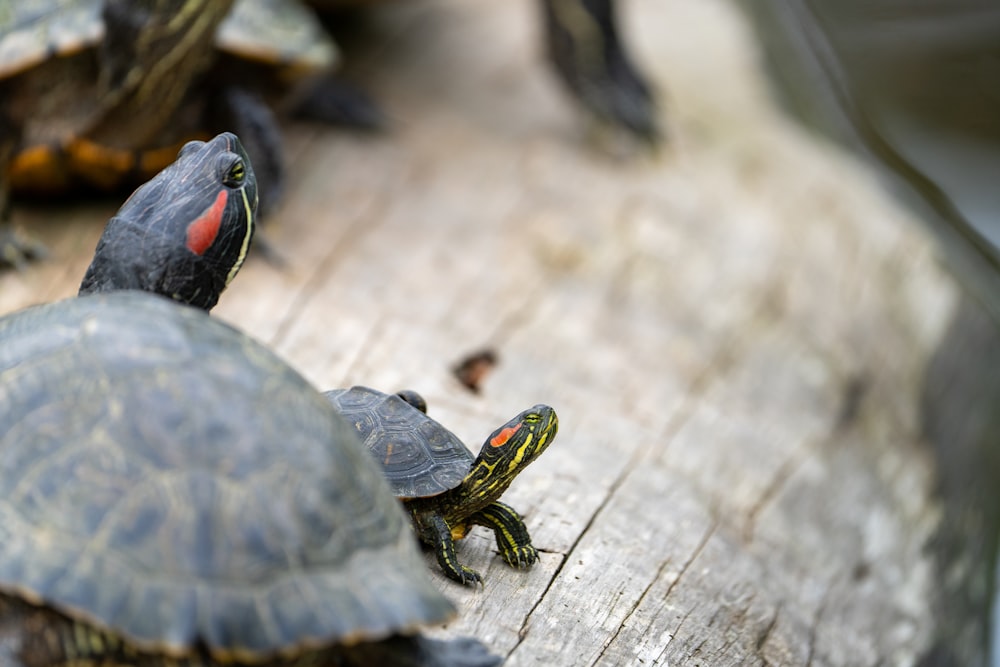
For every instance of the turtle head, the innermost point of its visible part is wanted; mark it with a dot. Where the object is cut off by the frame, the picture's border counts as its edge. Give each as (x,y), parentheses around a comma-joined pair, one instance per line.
(509,449)
(185,233)
(413,399)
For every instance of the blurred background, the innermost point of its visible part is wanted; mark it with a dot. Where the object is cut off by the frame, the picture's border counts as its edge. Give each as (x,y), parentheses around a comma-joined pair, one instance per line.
(772,342)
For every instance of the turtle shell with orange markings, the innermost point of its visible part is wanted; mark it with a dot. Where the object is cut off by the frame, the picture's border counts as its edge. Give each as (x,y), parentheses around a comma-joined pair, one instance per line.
(101,94)
(83,102)
(446,489)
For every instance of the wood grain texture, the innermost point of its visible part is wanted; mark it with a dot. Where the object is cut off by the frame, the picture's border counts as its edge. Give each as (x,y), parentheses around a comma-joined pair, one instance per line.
(733,335)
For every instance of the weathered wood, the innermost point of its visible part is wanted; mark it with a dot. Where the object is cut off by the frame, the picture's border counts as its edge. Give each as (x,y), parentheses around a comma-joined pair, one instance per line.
(733,335)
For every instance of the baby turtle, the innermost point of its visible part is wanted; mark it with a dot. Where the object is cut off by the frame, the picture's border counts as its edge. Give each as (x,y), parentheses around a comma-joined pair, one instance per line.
(174,494)
(445,488)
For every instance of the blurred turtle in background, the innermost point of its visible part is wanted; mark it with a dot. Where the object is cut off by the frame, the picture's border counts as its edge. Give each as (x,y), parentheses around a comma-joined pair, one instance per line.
(101,94)
(585,47)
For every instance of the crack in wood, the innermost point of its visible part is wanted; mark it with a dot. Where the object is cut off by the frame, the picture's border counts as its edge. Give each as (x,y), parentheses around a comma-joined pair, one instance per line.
(786,471)
(726,356)
(820,609)
(523,630)
(852,398)
(639,600)
(853,394)
(696,390)
(680,575)
(766,630)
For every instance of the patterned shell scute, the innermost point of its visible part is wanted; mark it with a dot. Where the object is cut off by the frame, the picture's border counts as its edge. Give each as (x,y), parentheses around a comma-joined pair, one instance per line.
(168,478)
(420,457)
(31,32)
(283,33)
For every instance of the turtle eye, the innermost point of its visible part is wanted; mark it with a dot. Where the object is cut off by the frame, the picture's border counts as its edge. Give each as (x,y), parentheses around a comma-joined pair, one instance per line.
(235,173)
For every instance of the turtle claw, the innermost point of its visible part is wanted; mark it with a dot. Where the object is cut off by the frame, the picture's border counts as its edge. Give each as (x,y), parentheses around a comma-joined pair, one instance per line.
(467,576)
(435,530)
(521,556)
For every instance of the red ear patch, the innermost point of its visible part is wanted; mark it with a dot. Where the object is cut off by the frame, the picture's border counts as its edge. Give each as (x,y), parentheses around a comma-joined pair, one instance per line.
(202,231)
(501,438)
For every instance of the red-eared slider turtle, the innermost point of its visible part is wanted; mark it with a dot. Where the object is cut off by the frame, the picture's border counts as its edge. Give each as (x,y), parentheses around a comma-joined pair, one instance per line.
(172,493)
(100,94)
(445,488)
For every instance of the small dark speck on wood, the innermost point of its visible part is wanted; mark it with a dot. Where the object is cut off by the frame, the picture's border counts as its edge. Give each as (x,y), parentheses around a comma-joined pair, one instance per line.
(473,369)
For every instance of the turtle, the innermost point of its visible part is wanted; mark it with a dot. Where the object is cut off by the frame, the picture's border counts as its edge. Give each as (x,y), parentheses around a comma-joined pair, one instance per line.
(100,94)
(444,487)
(587,53)
(172,493)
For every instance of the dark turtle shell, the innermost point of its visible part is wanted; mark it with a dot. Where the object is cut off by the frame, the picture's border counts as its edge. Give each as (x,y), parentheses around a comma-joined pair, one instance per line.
(167,479)
(419,456)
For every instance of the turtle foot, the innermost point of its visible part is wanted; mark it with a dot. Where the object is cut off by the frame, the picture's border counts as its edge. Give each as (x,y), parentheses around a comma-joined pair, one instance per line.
(420,651)
(18,251)
(466,576)
(521,556)
(338,102)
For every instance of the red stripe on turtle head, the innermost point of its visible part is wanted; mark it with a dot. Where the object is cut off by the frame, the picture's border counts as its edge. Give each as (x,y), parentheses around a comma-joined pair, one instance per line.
(501,438)
(202,231)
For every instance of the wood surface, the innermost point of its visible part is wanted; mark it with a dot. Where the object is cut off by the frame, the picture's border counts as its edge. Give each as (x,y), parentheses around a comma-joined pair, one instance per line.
(733,333)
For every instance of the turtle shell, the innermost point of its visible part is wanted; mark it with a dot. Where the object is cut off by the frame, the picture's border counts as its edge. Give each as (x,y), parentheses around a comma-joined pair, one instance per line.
(46,80)
(169,480)
(52,93)
(280,33)
(32,32)
(419,456)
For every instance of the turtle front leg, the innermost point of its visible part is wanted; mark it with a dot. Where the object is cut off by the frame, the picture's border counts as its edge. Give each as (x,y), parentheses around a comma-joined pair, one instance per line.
(15,250)
(437,532)
(511,534)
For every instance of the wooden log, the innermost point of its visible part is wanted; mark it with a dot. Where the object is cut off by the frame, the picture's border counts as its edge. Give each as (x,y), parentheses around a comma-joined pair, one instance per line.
(734,335)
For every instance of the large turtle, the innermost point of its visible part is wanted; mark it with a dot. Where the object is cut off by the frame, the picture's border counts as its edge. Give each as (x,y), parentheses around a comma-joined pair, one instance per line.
(102,93)
(174,495)
(445,488)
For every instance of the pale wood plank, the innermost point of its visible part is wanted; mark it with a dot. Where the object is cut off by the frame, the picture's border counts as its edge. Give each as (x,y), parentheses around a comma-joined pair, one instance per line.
(699,320)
